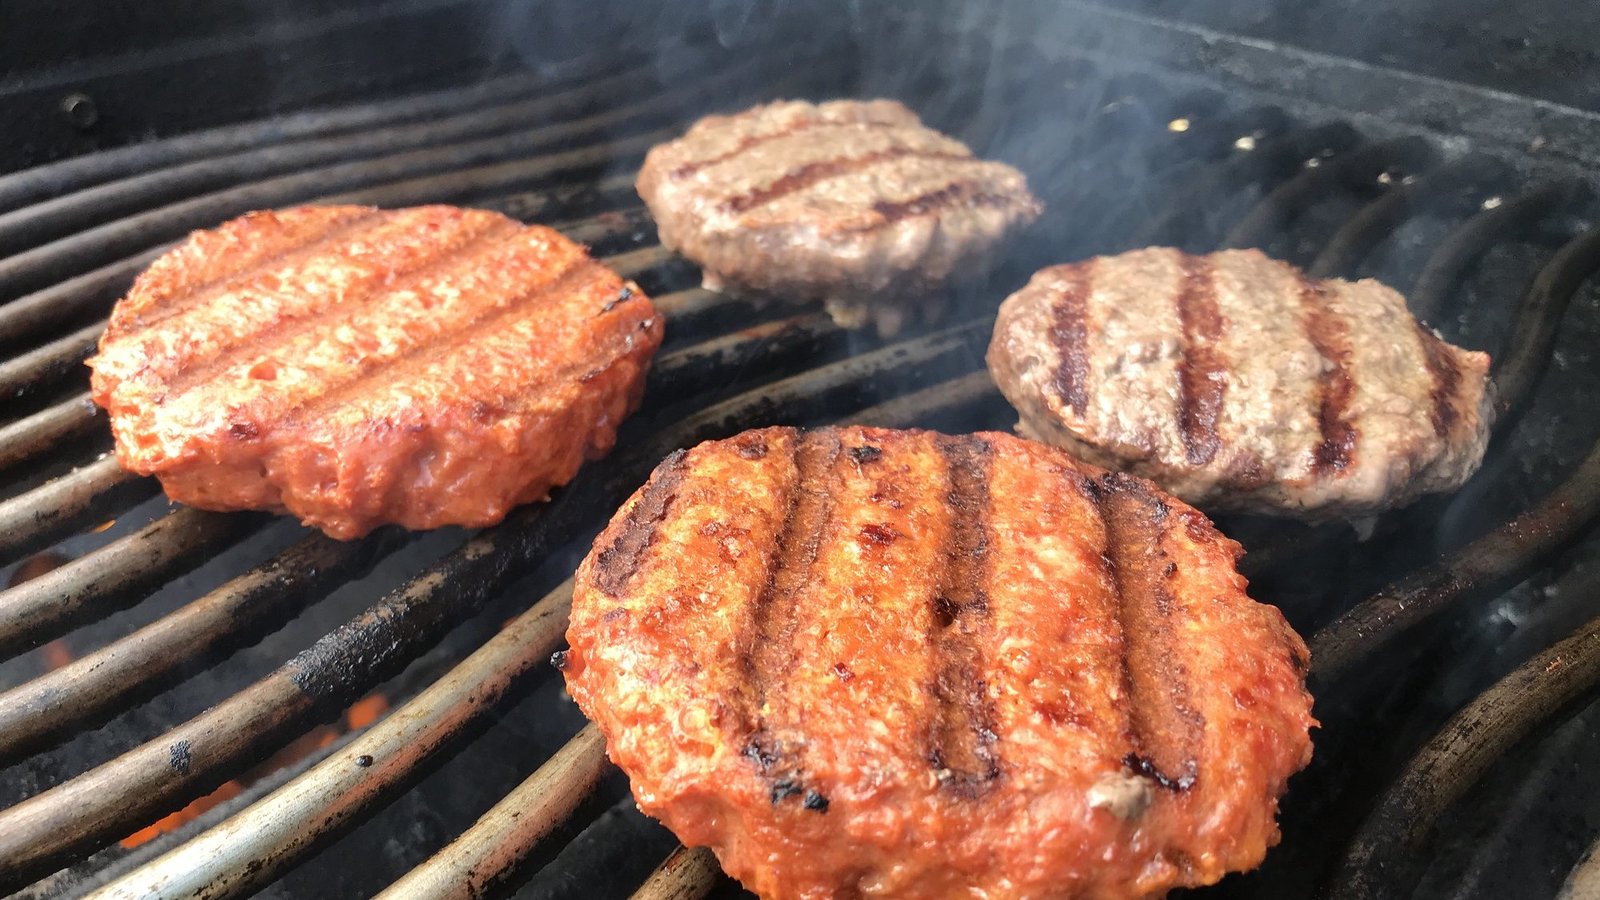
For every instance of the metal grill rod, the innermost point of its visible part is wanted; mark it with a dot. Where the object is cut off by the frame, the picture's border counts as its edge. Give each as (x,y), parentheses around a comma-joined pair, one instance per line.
(48,365)
(45,430)
(255,844)
(1522,361)
(1271,160)
(1451,186)
(85,208)
(40,183)
(685,875)
(92,493)
(1584,881)
(33,315)
(1363,165)
(93,687)
(1382,862)
(114,576)
(1495,561)
(473,183)
(96,246)
(486,855)
(116,797)
(1459,253)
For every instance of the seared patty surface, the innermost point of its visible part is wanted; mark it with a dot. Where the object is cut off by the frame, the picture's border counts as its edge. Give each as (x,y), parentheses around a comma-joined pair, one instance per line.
(355,366)
(856,203)
(1239,383)
(866,662)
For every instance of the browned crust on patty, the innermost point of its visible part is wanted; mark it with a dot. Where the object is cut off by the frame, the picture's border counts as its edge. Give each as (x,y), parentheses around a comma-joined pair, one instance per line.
(355,366)
(858,661)
(1240,383)
(852,202)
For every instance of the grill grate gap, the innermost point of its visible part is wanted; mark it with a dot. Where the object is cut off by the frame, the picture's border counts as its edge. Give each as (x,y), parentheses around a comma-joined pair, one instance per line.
(1234,168)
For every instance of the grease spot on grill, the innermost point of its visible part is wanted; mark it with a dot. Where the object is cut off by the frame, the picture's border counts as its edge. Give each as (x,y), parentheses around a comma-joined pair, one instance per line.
(179,758)
(364,760)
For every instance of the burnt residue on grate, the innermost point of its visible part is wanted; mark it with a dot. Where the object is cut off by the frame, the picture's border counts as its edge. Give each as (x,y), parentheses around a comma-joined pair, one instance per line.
(1494,248)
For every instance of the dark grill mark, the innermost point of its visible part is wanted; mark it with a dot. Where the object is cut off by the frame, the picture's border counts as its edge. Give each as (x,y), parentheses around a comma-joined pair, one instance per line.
(623,296)
(1164,732)
(1330,334)
(200,294)
(1446,380)
(1069,333)
(1202,375)
(818,172)
(463,251)
(617,563)
(864,454)
(753,140)
(765,654)
(961,742)
(972,194)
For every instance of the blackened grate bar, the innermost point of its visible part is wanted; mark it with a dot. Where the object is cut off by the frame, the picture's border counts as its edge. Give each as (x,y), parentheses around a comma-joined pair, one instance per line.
(568,156)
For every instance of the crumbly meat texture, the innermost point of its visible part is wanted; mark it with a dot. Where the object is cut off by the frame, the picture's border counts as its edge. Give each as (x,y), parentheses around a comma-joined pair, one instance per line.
(355,367)
(855,203)
(864,662)
(1239,383)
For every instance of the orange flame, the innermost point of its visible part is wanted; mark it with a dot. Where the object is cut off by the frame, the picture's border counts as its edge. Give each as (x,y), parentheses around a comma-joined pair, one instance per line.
(361,714)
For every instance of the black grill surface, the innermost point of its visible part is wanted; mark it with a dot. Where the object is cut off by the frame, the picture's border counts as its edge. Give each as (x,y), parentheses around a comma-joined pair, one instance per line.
(205,644)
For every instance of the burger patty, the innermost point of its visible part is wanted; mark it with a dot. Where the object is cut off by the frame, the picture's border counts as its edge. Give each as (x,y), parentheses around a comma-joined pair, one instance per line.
(1239,383)
(866,662)
(855,203)
(355,367)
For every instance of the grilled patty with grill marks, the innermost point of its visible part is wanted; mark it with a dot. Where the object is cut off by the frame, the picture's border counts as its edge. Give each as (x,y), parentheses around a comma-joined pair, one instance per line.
(1239,383)
(866,662)
(355,367)
(855,203)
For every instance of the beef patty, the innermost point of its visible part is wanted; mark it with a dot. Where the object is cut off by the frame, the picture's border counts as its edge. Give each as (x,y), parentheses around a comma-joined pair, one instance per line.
(354,367)
(855,203)
(1239,383)
(865,662)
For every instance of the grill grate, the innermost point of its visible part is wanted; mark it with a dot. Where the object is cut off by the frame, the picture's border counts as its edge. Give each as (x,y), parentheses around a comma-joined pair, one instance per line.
(1341,200)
